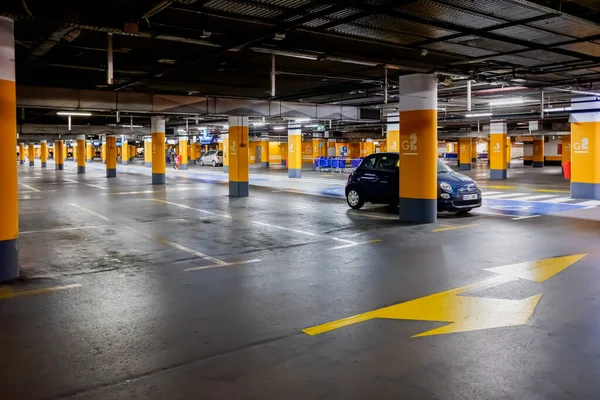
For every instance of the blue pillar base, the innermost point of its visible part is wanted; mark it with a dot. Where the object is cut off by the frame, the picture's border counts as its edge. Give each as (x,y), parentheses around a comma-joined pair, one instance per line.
(44,165)
(88,160)
(159,179)
(538,164)
(59,167)
(80,170)
(226,168)
(183,167)
(148,164)
(31,164)
(417,211)
(9,260)
(22,162)
(238,189)
(507,165)
(498,174)
(581,190)
(192,162)
(264,165)
(465,167)
(294,173)
(111,173)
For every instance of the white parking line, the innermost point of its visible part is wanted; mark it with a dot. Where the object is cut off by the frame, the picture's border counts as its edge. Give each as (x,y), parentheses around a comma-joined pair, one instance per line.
(507,195)
(557,200)
(589,203)
(86,184)
(29,187)
(537,197)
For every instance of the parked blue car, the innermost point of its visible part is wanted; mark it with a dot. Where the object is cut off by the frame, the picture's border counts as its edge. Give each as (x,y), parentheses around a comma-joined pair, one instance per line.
(376,181)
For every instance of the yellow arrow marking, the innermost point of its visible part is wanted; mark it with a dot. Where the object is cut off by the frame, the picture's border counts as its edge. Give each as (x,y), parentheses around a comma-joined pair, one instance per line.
(538,271)
(9,293)
(466,313)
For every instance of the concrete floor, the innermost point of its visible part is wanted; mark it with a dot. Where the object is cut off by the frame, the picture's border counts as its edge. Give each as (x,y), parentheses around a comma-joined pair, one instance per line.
(180,292)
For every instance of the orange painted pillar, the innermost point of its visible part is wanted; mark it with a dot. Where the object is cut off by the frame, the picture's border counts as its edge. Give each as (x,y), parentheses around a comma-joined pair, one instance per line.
(238,156)
(585,143)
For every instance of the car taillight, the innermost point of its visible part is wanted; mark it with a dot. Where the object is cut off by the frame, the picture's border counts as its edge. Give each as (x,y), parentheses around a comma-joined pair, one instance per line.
(349,177)
(217,157)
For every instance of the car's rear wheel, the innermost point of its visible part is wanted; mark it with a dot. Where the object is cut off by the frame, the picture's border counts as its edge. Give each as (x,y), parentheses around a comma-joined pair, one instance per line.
(464,211)
(214,163)
(202,163)
(354,199)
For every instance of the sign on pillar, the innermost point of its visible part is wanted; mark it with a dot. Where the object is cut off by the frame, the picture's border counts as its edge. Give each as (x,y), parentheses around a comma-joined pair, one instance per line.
(585,145)
(264,146)
(81,148)
(111,156)
(294,150)
(238,156)
(9,212)
(148,151)
(225,138)
(159,157)
(418,148)
(464,153)
(538,152)
(393,132)
(497,151)
(44,153)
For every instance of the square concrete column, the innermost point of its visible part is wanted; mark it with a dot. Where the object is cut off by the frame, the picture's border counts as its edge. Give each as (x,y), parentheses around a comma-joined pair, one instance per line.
(393,132)
(238,156)
(497,151)
(294,150)
(585,145)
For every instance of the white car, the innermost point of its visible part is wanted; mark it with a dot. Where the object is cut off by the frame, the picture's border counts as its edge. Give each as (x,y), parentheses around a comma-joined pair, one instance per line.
(213,157)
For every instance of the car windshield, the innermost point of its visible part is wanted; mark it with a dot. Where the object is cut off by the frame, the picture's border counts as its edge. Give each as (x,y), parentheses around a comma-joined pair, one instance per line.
(442,168)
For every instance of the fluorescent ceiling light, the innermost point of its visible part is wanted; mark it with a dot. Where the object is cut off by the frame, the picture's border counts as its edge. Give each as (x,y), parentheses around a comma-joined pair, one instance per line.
(479,115)
(74,113)
(278,128)
(311,126)
(441,109)
(557,109)
(258,124)
(131,126)
(181,130)
(507,102)
(285,53)
(350,61)
(302,120)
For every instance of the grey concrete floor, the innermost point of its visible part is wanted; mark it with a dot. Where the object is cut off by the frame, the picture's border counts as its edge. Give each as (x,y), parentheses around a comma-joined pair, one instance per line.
(180,292)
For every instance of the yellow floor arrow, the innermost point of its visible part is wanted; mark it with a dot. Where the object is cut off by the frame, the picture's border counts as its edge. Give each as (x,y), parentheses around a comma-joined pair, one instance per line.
(538,271)
(466,313)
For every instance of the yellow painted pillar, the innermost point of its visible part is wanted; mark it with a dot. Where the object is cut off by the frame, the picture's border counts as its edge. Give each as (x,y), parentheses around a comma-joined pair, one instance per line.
(225,144)
(148,151)
(159,157)
(508,152)
(124,152)
(9,209)
(317,145)
(111,156)
(59,158)
(264,152)
(464,153)
(193,151)
(44,153)
(418,148)
(89,152)
(74,152)
(31,154)
(220,144)
(80,149)
(37,152)
(65,151)
(474,151)
(585,143)
(566,149)
(183,152)
(393,133)
(538,152)
(238,156)
(294,150)
(370,147)
(103,150)
(497,152)
(21,152)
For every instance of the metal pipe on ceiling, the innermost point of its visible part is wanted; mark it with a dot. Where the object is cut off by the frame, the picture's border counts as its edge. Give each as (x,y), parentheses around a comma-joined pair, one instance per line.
(469,95)
(110,79)
(272,75)
(385,84)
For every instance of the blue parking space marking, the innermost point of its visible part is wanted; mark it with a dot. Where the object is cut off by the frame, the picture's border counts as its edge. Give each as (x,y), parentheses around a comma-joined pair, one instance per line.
(333,192)
(526,208)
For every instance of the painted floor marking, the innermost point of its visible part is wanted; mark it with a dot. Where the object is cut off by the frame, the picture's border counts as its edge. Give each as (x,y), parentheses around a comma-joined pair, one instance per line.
(83,183)
(506,195)
(589,203)
(449,228)
(345,246)
(29,187)
(9,293)
(467,313)
(194,209)
(536,197)
(74,228)
(526,217)
(490,193)
(557,200)
(221,265)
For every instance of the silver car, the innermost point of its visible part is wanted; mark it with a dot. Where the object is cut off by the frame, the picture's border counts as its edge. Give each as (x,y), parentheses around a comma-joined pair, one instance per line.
(213,157)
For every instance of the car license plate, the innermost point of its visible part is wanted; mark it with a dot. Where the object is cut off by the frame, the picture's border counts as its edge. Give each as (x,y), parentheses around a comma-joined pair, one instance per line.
(470,197)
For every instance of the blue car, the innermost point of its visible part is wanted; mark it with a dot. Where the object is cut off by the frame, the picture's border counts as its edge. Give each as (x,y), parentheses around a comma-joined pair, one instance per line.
(376,181)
